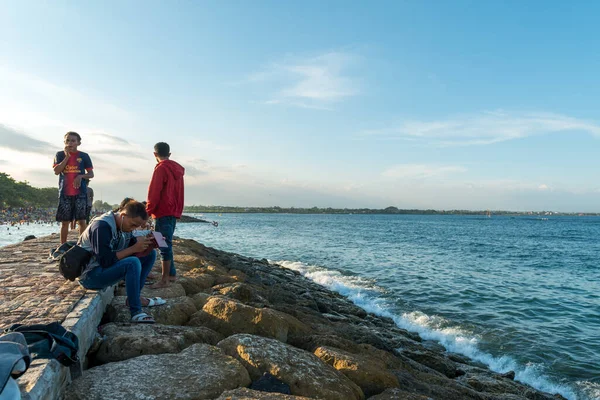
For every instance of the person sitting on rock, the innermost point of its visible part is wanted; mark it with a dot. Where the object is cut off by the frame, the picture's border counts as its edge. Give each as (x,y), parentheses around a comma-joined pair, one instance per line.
(110,239)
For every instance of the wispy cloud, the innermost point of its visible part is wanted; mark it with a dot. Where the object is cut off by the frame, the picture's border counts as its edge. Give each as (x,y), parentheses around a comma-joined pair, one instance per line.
(421,171)
(110,138)
(14,140)
(484,128)
(314,82)
(42,107)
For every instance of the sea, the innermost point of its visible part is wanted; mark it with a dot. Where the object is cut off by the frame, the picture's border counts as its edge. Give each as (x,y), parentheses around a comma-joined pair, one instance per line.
(515,293)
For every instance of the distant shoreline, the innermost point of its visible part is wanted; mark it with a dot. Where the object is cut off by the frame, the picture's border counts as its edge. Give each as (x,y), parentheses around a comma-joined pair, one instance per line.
(386,211)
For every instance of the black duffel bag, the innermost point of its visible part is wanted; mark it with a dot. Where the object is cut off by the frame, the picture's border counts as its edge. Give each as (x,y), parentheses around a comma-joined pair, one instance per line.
(49,341)
(73,261)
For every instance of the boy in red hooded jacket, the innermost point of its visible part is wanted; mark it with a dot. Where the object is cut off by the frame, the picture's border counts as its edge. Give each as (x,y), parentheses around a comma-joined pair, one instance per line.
(165,205)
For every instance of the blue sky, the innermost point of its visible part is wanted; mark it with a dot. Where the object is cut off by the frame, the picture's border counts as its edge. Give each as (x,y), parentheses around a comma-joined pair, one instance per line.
(418,104)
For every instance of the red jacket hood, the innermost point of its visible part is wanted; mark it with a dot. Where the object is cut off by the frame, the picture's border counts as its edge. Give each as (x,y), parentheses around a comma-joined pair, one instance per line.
(176,170)
(166,191)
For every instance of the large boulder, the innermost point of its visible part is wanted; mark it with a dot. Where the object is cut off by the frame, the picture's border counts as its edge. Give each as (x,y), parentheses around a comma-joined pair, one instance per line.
(369,373)
(176,311)
(500,386)
(230,317)
(122,342)
(242,292)
(195,281)
(398,394)
(200,299)
(249,394)
(435,360)
(201,371)
(186,262)
(304,372)
(173,290)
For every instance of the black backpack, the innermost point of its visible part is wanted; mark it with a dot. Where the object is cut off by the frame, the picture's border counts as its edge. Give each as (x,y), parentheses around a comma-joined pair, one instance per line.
(73,261)
(49,341)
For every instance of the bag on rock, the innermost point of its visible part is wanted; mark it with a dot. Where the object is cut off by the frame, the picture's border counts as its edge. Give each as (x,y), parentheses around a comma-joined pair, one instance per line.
(49,341)
(73,261)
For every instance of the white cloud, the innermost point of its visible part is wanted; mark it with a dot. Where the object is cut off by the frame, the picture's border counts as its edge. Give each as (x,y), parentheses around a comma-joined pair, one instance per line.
(18,141)
(421,171)
(38,106)
(484,128)
(314,82)
(543,186)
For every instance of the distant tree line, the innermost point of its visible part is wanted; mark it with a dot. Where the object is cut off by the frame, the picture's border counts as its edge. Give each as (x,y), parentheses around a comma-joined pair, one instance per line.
(387,210)
(100,205)
(22,194)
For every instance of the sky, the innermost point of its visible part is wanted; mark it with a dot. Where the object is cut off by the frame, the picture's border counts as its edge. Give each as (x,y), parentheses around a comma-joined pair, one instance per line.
(414,104)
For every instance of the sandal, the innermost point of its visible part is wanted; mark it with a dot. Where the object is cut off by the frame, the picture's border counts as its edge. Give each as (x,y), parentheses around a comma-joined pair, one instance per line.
(143,318)
(152,301)
(155,301)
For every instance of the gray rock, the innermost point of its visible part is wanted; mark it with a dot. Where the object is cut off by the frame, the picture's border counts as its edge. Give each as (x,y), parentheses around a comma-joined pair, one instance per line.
(304,372)
(199,372)
(125,341)
(230,317)
(249,394)
(369,372)
(435,361)
(176,311)
(174,290)
(195,281)
(398,394)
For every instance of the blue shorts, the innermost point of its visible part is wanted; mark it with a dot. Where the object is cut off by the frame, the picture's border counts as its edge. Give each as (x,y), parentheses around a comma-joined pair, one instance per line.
(166,226)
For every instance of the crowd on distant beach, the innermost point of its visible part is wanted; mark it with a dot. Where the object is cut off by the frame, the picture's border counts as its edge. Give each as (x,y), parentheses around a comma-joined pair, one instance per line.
(16,216)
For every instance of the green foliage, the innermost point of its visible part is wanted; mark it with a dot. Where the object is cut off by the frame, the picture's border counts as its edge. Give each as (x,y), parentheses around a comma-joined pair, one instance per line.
(100,205)
(21,194)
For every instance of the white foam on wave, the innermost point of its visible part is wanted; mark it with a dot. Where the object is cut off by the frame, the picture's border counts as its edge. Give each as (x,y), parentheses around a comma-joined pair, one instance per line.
(367,295)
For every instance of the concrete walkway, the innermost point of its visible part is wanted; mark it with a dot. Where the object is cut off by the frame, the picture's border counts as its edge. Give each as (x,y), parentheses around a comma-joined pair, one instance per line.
(32,291)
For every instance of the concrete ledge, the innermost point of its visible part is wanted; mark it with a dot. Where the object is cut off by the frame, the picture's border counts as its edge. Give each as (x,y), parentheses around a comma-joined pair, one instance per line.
(46,379)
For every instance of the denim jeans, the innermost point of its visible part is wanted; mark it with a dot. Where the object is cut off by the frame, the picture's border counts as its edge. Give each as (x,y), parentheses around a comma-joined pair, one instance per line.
(133,269)
(166,226)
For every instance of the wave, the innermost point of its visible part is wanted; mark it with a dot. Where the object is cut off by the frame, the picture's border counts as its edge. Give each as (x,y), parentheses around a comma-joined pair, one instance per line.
(366,294)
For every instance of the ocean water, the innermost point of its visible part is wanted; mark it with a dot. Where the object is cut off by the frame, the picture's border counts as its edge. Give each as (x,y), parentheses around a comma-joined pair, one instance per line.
(14,234)
(516,293)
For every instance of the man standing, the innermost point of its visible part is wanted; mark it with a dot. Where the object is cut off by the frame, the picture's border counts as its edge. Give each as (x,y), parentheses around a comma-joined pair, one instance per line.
(74,168)
(165,205)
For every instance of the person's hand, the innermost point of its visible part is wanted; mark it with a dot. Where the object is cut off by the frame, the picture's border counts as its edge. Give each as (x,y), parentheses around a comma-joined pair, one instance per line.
(67,152)
(77,182)
(141,244)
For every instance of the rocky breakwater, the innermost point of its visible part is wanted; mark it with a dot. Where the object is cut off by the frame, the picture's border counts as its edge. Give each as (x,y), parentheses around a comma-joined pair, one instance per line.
(230,321)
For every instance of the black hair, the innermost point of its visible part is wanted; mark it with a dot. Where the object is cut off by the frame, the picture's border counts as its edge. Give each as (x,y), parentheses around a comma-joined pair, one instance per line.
(124,203)
(71,133)
(134,209)
(162,149)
